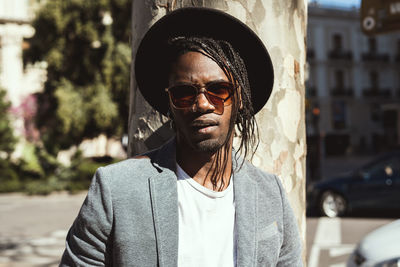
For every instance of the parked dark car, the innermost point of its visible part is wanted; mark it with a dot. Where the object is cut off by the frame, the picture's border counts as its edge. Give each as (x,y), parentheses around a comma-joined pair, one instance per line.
(373,187)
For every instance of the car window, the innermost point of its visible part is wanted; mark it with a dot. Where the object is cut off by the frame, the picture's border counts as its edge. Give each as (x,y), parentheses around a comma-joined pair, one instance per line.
(387,168)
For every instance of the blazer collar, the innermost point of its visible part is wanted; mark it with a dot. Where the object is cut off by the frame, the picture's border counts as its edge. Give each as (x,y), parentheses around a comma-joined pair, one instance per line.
(245,189)
(164,200)
(165,157)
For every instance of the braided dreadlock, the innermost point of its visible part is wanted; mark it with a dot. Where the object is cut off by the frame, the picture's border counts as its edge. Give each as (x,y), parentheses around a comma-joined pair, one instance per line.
(242,110)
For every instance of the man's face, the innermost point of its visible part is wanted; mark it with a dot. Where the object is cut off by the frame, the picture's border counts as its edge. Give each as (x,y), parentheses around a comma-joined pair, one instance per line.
(199,128)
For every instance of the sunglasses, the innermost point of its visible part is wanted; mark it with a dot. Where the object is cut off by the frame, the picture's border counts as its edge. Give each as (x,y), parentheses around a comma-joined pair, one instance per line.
(219,94)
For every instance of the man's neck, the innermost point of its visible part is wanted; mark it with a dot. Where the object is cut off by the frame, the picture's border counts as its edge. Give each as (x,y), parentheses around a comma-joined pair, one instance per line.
(201,165)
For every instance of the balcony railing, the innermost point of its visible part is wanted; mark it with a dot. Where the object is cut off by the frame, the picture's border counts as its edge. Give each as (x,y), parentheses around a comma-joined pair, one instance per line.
(339,91)
(377,92)
(340,54)
(382,57)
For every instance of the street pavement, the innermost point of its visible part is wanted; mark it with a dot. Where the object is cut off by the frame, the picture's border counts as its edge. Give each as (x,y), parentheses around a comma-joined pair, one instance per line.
(33,228)
(330,241)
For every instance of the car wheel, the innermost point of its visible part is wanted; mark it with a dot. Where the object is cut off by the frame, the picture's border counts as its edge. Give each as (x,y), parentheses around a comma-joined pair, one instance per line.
(332,204)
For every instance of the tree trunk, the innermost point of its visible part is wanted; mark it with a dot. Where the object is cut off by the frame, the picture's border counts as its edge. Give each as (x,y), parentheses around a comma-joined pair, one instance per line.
(281,24)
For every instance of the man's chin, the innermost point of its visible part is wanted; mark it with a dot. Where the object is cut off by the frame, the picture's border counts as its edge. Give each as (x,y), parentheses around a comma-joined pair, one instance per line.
(208,146)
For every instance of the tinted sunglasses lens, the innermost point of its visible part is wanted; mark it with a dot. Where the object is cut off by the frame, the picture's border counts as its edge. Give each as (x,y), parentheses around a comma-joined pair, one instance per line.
(183,96)
(222,91)
(217,102)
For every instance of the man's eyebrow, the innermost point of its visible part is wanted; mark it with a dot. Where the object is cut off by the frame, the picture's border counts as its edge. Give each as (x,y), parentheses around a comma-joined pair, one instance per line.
(217,80)
(197,84)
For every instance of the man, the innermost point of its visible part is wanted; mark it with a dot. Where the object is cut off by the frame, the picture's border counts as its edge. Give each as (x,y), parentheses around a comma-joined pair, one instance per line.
(194,201)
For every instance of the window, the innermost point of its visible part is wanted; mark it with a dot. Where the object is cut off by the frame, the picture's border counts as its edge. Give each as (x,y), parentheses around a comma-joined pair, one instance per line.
(337,42)
(376,112)
(398,46)
(374,80)
(339,79)
(339,114)
(372,45)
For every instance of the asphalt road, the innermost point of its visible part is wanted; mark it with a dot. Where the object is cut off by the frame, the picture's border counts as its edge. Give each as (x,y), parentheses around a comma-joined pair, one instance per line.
(330,241)
(33,230)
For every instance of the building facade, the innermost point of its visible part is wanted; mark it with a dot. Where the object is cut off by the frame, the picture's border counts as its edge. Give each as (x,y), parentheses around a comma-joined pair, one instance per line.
(353,87)
(15,18)
(21,82)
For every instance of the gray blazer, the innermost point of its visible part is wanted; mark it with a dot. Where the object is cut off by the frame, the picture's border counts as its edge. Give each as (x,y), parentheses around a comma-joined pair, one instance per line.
(130,217)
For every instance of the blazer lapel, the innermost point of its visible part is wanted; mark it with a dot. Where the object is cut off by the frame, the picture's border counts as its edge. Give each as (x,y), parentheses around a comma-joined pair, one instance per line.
(246,215)
(164,201)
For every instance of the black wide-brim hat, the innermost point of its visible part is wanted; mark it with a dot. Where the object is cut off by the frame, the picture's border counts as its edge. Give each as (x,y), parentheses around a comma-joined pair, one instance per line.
(200,22)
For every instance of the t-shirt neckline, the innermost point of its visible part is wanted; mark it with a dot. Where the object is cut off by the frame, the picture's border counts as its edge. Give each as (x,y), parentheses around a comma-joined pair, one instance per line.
(183,176)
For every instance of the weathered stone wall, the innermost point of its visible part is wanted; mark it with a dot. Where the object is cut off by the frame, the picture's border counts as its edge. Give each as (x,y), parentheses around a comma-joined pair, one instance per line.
(281,24)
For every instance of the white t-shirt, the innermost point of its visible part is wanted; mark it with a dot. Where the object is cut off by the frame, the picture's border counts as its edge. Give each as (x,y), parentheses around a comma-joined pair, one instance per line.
(206,224)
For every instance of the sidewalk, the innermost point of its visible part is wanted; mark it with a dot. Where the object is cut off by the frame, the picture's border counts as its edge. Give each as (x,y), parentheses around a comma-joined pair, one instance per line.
(33,228)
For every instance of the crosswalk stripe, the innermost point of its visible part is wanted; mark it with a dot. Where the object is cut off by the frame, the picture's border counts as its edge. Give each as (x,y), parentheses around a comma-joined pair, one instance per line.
(328,234)
(342,250)
(314,256)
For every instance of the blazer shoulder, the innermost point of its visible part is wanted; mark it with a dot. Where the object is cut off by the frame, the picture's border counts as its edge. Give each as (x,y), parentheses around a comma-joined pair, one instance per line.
(129,170)
(268,184)
(259,175)
(126,164)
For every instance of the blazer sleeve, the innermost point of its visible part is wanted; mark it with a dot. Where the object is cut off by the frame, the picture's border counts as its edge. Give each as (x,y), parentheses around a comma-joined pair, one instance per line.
(88,238)
(290,254)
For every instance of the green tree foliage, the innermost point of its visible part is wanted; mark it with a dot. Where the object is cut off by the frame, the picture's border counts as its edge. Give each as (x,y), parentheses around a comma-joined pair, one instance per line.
(7,139)
(86,46)
(7,144)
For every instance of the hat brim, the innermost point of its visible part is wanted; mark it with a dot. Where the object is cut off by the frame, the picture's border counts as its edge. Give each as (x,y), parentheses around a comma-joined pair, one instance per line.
(201,22)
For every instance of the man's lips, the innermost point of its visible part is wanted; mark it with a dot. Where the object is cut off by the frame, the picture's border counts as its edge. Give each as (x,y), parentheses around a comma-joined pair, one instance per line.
(203,126)
(203,123)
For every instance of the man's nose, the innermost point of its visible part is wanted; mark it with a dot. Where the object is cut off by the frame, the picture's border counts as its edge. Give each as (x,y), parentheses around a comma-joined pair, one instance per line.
(203,104)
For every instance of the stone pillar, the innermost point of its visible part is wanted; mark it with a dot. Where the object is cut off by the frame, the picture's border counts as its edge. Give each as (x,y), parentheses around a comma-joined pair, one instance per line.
(281,24)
